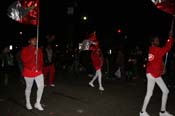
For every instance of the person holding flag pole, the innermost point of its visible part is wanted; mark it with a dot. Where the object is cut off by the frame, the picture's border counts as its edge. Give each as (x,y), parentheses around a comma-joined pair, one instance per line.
(27,12)
(85,52)
(97,61)
(32,72)
(155,68)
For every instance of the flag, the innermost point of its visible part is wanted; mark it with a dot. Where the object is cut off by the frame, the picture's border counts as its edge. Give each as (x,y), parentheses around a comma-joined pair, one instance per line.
(93,39)
(25,11)
(15,11)
(167,6)
(89,41)
(32,17)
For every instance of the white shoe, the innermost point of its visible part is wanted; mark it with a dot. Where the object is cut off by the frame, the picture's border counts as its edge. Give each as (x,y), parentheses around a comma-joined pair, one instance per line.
(29,106)
(101,88)
(165,114)
(91,84)
(144,114)
(38,106)
(90,75)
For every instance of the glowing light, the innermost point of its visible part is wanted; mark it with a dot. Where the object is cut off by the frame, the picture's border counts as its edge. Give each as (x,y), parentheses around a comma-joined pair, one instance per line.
(84,18)
(119,30)
(110,51)
(10,47)
(20,32)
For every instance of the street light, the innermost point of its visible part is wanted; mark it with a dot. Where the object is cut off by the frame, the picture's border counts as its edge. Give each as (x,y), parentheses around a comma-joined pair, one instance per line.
(84,18)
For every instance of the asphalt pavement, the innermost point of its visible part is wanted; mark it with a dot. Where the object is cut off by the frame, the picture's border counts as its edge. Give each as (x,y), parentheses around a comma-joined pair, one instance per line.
(72,96)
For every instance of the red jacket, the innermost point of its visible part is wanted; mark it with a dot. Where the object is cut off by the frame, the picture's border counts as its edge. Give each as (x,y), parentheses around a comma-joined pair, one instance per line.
(155,58)
(28,57)
(96,60)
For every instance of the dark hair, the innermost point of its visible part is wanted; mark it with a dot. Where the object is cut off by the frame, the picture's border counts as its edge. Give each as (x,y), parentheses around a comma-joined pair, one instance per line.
(153,37)
(31,36)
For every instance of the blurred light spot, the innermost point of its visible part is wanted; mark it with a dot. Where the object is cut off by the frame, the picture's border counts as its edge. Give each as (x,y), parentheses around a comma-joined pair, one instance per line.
(80,111)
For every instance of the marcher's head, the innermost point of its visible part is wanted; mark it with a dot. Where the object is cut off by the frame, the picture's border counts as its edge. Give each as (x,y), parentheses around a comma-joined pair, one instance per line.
(33,41)
(155,41)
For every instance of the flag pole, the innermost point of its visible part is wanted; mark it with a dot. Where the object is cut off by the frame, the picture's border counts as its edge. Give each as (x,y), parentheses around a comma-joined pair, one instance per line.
(37,34)
(37,47)
(170,34)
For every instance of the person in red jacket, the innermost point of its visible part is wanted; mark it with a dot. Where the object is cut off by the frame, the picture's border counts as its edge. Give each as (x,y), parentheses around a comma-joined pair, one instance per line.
(154,70)
(32,71)
(97,61)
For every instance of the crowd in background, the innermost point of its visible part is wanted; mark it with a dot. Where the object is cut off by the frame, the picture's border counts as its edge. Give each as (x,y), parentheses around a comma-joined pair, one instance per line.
(121,64)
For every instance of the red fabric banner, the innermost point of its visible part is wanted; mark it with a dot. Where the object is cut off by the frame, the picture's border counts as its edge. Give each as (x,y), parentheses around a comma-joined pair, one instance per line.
(93,38)
(32,17)
(167,6)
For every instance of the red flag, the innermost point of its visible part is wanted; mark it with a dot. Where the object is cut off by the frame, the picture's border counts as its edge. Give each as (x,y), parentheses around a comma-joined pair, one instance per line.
(25,11)
(93,38)
(32,17)
(167,6)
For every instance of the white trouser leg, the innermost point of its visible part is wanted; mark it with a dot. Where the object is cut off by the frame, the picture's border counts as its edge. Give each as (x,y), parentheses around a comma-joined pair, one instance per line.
(40,85)
(150,87)
(165,92)
(99,75)
(94,78)
(29,84)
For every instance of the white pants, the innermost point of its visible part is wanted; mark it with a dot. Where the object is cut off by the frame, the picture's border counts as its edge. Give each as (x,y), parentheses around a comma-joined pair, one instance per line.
(98,75)
(40,87)
(150,87)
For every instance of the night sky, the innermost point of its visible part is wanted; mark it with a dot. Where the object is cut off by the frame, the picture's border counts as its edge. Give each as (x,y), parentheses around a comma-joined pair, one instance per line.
(136,18)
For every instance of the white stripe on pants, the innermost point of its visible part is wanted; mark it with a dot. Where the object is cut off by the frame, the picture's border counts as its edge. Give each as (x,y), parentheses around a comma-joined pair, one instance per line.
(150,87)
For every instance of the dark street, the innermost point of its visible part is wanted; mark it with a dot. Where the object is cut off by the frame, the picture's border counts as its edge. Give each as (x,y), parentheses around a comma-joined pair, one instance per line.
(72,96)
